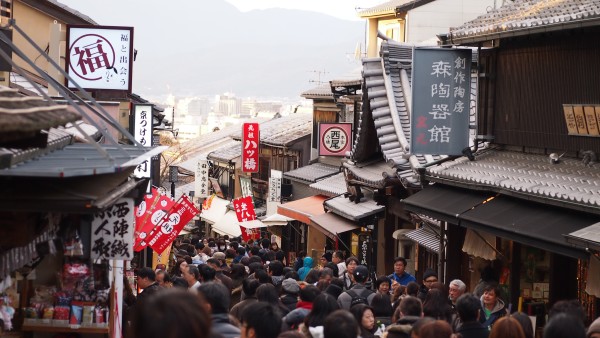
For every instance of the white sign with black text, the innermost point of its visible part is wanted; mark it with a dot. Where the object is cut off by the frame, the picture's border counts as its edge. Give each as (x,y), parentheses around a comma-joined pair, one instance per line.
(112,231)
(201,182)
(142,131)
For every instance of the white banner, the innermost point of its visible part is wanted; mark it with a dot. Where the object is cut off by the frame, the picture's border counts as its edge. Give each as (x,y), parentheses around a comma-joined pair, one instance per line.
(142,131)
(275,186)
(112,231)
(201,182)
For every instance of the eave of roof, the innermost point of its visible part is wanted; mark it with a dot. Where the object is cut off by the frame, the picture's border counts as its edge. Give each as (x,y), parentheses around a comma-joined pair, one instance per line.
(526,17)
(570,183)
(384,9)
(311,173)
(61,11)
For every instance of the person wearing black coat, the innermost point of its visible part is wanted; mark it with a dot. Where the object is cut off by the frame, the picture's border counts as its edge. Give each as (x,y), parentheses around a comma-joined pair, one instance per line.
(469,312)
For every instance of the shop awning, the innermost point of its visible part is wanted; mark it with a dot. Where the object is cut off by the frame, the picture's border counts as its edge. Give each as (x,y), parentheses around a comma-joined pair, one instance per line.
(228,225)
(216,210)
(444,203)
(529,223)
(588,237)
(276,219)
(480,244)
(332,225)
(425,237)
(302,209)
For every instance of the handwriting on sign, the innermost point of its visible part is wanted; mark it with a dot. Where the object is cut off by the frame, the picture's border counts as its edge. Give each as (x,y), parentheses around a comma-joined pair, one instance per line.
(112,231)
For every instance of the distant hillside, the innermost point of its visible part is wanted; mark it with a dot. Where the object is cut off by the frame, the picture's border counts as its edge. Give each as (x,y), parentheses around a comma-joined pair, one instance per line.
(214,49)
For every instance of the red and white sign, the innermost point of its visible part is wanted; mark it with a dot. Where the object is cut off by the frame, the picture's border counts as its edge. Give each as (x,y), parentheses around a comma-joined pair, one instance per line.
(244,209)
(150,215)
(250,233)
(335,139)
(100,57)
(250,143)
(166,232)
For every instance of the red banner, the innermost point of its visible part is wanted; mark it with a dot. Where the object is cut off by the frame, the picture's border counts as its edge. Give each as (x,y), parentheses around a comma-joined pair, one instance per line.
(150,214)
(244,210)
(166,231)
(250,143)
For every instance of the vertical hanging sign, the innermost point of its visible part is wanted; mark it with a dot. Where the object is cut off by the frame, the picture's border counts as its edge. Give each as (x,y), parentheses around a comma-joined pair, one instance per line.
(441,96)
(250,145)
(112,231)
(201,182)
(142,131)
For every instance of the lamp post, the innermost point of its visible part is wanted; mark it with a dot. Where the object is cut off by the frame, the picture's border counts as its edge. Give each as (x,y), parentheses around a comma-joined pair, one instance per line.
(173,171)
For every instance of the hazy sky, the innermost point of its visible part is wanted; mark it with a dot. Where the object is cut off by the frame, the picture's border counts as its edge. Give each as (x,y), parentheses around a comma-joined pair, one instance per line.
(154,25)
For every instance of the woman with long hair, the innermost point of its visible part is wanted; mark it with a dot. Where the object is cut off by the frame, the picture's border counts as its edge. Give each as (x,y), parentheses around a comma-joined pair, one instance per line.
(436,305)
(323,305)
(366,320)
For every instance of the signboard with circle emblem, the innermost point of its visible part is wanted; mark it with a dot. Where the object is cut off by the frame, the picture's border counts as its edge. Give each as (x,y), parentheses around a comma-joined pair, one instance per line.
(335,139)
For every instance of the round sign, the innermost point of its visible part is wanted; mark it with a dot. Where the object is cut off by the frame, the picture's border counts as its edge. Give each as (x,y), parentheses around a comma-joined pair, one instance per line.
(90,56)
(334,139)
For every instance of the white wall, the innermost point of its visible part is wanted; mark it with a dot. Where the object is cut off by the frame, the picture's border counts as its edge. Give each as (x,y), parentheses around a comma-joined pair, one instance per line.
(438,16)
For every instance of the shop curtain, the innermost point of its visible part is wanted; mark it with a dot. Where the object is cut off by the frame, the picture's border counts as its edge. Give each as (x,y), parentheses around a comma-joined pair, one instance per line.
(593,277)
(475,244)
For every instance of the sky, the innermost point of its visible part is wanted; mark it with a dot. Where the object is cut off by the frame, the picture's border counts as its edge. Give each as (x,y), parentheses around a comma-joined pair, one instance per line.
(153,23)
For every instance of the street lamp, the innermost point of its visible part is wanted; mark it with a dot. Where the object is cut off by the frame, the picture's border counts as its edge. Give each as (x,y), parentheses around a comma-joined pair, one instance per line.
(173,172)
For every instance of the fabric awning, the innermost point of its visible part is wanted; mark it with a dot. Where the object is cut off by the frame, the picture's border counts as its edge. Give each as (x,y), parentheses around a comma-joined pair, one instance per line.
(480,244)
(444,203)
(588,237)
(529,223)
(302,209)
(216,210)
(228,225)
(276,219)
(523,221)
(425,237)
(332,225)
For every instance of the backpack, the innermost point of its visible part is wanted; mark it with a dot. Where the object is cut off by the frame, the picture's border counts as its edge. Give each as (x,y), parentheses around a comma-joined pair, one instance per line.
(358,299)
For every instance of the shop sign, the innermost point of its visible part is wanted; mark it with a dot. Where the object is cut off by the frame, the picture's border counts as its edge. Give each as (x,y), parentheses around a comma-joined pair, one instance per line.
(244,210)
(441,96)
(250,145)
(169,227)
(112,231)
(275,186)
(100,57)
(335,139)
(201,182)
(142,132)
(364,249)
(149,214)
(246,186)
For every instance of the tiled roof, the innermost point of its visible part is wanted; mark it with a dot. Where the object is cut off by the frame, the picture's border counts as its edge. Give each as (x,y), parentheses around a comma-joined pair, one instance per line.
(372,174)
(388,89)
(312,172)
(283,131)
(388,7)
(331,186)
(354,78)
(532,176)
(521,17)
(227,154)
(320,92)
(353,211)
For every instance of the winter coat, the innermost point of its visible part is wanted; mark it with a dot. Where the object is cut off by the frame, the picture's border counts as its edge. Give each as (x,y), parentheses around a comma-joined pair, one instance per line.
(473,330)
(402,328)
(222,326)
(308,263)
(498,311)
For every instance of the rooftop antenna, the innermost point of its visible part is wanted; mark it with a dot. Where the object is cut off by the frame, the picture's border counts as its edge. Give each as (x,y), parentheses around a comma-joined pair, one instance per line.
(319,73)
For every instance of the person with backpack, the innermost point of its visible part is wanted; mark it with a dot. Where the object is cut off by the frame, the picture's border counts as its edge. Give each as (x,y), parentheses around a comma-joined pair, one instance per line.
(357,294)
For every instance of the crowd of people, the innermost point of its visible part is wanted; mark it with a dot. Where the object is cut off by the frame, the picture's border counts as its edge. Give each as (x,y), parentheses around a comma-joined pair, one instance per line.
(226,288)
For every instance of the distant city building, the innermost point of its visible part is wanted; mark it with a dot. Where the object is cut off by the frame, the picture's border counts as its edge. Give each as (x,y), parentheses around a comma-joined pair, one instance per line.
(227,104)
(199,107)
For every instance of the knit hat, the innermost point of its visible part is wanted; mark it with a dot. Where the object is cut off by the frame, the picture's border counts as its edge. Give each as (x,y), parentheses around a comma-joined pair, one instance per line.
(219,255)
(429,273)
(290,285)
(361,273)
(594,328)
